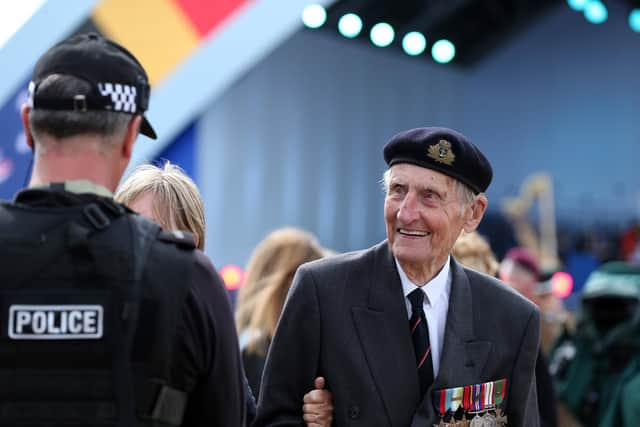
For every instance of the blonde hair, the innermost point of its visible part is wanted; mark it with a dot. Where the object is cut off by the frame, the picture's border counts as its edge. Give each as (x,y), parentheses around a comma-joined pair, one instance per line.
(176,199)
(473,251)
(269,274)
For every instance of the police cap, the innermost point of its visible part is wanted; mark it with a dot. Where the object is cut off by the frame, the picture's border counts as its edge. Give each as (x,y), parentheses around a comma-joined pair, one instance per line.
(119,82)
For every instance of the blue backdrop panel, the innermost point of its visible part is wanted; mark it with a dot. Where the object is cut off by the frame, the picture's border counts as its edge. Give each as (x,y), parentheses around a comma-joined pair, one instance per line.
(181,151)
(15,155)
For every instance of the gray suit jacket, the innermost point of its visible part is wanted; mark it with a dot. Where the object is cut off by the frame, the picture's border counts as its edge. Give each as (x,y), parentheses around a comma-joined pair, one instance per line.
(345,319)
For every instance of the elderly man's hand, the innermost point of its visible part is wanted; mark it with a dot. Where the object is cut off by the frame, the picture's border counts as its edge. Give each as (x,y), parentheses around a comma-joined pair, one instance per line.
(318,405)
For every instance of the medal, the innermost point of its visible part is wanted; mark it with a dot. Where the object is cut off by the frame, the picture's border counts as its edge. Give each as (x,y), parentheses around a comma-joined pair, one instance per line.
(476,421)
(501,418)
(474,400)
(489,420)
(464,422)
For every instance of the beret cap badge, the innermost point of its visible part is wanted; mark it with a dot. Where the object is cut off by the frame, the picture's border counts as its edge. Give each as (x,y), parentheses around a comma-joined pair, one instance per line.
(441,152)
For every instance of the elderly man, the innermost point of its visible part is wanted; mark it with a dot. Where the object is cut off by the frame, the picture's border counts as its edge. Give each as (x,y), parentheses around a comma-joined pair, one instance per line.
(403,334)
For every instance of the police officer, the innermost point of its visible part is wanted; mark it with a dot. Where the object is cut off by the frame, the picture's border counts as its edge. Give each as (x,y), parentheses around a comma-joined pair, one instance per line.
(104,318)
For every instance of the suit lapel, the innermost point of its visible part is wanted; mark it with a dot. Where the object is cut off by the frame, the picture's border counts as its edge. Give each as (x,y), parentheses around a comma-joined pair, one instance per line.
(383,330)
(463,357)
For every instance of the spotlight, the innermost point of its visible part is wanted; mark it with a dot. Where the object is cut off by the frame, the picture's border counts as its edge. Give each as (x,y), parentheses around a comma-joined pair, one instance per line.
(350,25)
(414,43)
(595,12)
(577,5)
(561,284)
(314,16)
(232,275)
(634,20)
(382,34)
(443,51)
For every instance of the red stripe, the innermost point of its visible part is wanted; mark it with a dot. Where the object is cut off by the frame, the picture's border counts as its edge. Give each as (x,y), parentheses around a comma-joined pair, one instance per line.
(465,398)
(482,396)
(443,397)
(424,356)
(208,15)
(416,324)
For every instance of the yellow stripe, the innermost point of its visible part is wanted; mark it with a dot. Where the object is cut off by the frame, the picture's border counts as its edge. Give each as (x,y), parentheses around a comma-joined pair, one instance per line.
(155,31)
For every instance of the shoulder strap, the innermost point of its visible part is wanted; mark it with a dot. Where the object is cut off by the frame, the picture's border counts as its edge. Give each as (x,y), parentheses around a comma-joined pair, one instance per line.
(158,402)
(144,234)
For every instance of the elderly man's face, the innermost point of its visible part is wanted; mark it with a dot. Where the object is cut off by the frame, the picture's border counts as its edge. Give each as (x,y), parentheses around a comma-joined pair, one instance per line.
(422,211)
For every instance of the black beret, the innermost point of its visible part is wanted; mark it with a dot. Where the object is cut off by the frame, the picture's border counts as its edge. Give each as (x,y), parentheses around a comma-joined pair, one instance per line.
(443,150)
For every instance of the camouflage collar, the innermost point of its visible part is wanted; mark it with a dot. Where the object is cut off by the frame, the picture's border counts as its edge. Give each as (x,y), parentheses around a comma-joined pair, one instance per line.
(79,186)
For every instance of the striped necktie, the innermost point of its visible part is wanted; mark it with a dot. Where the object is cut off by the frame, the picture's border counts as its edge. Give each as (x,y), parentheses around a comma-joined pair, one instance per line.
(420,336)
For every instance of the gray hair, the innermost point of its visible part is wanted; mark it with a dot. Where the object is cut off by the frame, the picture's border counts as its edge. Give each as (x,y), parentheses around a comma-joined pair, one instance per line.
(465,194)
(65,124)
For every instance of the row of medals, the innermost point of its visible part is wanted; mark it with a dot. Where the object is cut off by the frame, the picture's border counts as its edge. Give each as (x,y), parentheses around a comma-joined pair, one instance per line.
(485,419)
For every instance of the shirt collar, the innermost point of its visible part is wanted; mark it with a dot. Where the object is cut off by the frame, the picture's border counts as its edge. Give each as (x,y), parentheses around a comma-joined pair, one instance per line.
(79,186)
(433,289)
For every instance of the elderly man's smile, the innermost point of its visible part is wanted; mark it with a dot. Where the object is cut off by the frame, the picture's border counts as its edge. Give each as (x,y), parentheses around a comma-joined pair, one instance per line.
(412,233)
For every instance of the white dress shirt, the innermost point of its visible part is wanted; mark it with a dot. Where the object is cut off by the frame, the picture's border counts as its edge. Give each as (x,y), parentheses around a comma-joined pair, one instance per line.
(435,306)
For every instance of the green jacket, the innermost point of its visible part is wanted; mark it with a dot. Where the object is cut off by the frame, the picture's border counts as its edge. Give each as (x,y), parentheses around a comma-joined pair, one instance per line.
(597,368)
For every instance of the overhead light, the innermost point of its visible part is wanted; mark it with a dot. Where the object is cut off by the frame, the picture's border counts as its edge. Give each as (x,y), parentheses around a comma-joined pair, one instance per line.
(314,16)
(577,5)
(634,20)
(350,25)
(595,12)
(414,43)
(443,51)
(382,34)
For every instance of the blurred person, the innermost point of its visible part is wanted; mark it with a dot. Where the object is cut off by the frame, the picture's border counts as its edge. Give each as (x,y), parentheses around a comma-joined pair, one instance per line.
(167,196)
(396,328)
(472,250)
(268,278)
(596,367)
(519,269)
(111,321)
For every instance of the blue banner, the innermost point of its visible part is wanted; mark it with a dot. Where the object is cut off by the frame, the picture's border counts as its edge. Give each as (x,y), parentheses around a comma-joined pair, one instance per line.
(15,155)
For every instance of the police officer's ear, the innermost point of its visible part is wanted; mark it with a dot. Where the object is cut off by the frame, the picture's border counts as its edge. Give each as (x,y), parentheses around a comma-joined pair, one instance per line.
(130,137)
(474,213)
(24,115)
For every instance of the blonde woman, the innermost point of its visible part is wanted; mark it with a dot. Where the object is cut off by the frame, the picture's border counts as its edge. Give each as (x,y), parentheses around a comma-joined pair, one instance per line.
(269,274)
(167,196)
(473,251)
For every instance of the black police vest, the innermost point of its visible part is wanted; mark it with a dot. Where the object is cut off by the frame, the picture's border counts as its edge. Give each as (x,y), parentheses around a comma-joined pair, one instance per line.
(90,301)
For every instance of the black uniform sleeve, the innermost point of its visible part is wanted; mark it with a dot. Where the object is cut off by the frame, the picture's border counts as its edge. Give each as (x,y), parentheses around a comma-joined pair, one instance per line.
(210,348)
(293,358)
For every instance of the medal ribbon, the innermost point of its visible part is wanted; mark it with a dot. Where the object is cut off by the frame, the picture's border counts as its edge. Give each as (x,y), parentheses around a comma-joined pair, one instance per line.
(457,395)
(475,397)
(499,390)
(449,399)
(477,392)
